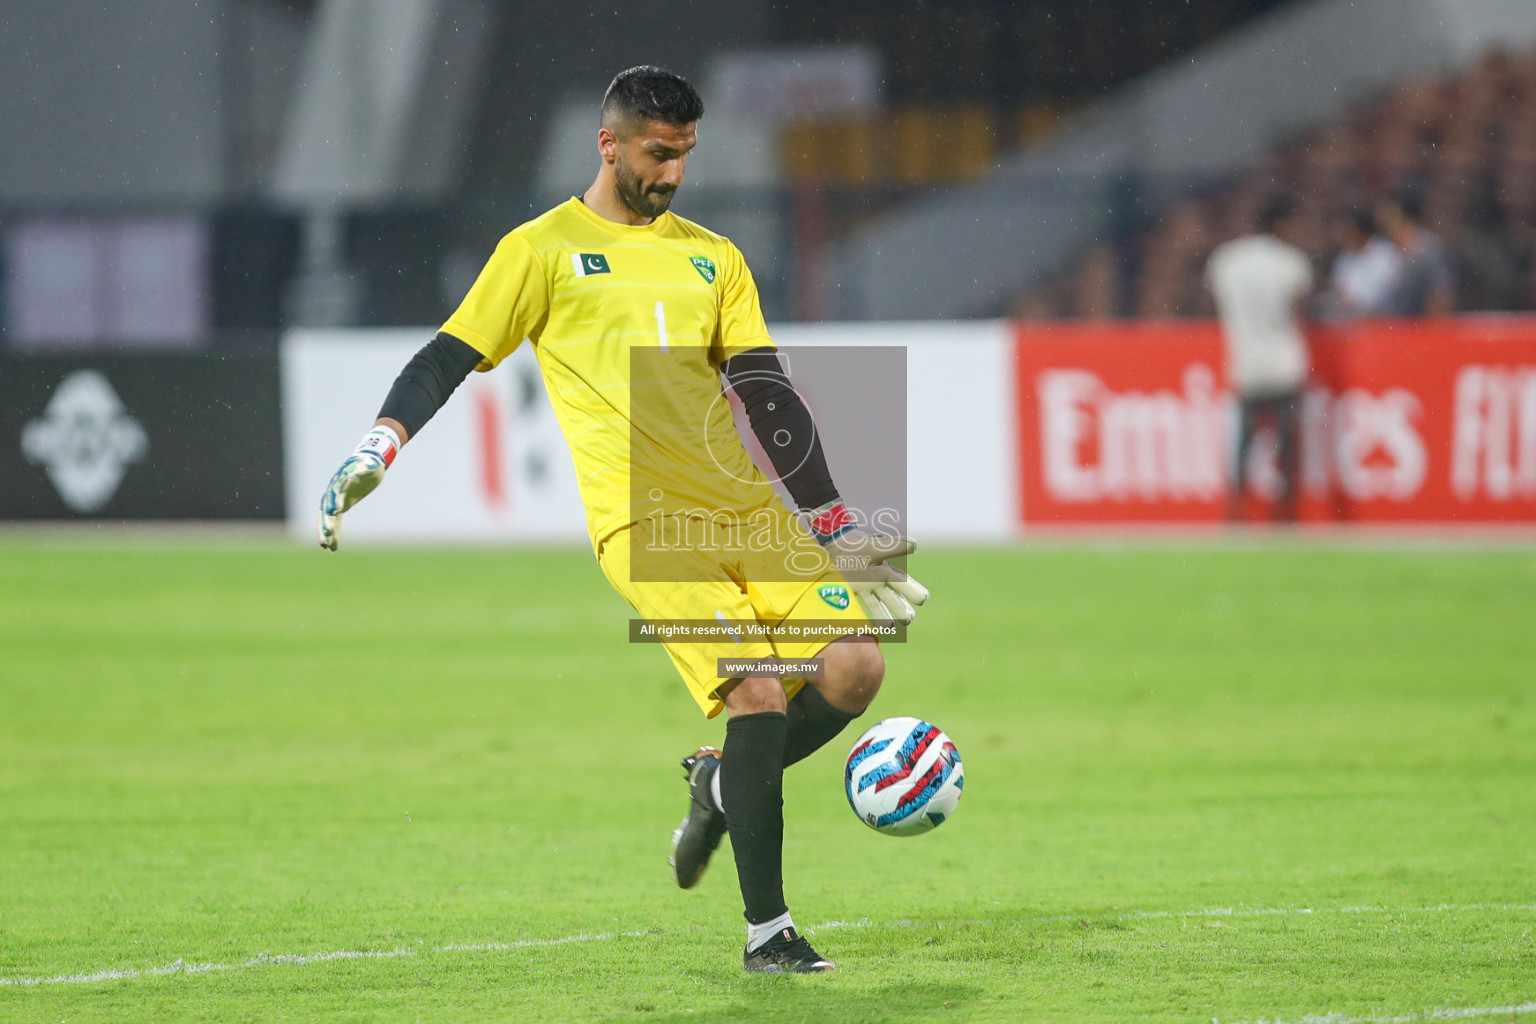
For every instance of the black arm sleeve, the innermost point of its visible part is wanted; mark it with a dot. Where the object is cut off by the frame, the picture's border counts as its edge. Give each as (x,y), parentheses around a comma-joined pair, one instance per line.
(427,380)
(783,426)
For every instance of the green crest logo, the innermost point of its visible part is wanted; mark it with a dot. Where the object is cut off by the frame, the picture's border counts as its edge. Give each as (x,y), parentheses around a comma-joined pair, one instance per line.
(835,594)
(706,268)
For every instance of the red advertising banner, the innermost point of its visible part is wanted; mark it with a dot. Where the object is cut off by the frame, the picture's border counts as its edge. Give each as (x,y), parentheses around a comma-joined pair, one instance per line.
(1408,422)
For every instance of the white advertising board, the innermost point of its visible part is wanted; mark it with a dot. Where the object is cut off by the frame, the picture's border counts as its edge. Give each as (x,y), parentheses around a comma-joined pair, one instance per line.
(962,466)
(493,465)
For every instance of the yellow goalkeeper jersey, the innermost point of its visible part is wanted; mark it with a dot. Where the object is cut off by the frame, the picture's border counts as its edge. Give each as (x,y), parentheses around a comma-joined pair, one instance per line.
(630,325)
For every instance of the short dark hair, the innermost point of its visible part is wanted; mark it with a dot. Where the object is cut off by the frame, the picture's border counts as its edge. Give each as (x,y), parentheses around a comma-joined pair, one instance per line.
(649,93)
(1276,208)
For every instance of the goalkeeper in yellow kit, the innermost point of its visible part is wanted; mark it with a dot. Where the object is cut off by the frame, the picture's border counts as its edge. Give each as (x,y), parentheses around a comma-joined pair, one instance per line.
(635,314)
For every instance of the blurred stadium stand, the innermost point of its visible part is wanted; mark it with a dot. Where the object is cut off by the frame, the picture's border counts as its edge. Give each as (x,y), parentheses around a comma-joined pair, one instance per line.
(176,174)
(1200,120)
(1466,141)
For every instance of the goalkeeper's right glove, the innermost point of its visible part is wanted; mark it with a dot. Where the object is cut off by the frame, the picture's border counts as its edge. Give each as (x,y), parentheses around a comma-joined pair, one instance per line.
(355,480)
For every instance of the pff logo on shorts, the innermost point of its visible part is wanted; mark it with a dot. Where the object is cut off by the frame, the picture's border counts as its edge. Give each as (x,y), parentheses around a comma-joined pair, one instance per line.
(86,440)
(834,594)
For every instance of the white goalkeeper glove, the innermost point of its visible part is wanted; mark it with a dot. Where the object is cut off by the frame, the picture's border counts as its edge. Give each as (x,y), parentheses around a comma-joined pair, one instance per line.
(887,593)
(355,480)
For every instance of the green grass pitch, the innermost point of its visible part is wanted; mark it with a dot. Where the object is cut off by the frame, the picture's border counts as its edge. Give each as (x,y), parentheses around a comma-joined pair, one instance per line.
(260,783)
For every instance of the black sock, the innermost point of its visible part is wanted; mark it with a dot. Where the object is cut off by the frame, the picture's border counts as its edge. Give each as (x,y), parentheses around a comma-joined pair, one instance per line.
(752,789)
(812,723)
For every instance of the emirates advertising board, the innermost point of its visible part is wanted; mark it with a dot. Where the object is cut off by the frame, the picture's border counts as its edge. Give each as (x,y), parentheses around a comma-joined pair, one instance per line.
(1010,428)
(1402,422)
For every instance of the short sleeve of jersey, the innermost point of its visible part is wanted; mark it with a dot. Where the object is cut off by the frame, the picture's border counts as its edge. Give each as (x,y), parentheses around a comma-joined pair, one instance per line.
(741,315)
(508,302)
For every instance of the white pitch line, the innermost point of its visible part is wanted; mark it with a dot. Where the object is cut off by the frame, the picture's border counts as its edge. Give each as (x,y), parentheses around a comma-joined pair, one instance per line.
(478,947)
(1450,1013)
(269,959)
(1153,915)
(1281,911)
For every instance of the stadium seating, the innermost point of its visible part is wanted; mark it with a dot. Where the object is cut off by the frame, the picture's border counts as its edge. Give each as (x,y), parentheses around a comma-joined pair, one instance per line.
(1467,140)
(1026,63)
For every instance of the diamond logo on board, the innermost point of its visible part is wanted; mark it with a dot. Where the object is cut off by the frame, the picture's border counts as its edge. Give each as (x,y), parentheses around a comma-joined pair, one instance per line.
(86,440)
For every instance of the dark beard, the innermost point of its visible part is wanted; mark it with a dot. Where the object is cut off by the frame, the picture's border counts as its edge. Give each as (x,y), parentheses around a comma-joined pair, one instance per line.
(652,203)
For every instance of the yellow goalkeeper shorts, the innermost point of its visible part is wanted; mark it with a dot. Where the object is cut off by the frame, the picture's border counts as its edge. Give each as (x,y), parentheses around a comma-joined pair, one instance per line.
(728,585)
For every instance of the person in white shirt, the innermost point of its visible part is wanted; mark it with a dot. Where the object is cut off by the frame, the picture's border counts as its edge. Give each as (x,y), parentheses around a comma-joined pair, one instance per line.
(1260,282)
(1366,271)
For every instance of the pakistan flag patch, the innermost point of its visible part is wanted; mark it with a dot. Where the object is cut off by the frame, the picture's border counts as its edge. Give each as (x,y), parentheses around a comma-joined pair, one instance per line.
(588,263)
(706,268)
(835,594)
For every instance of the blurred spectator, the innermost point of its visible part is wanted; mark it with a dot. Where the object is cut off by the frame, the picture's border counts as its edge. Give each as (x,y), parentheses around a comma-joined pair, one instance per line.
(1427,285)
(1366,271)
(1465,142)
(1260,282)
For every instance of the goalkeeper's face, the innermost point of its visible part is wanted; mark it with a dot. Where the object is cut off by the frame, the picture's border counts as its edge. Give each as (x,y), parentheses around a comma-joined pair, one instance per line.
(648,165)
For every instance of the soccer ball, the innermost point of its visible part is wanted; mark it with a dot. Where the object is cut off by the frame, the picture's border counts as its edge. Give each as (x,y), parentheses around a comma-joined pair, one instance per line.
(903,777)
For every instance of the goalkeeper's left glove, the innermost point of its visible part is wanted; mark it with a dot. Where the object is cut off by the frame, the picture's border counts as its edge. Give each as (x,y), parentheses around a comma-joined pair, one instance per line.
(355,480)
(887,593)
